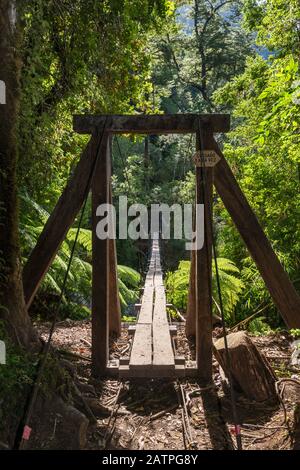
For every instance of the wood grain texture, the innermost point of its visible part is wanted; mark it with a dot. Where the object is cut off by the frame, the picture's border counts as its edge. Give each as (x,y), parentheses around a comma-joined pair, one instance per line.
(152,124)
(190,326)
(141,353)
(100,274)
(152,354)
(114,296)
(204,185)
(250,369)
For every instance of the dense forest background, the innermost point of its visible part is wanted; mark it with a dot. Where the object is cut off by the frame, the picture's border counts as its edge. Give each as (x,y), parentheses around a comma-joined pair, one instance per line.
(160,56)
(64,57)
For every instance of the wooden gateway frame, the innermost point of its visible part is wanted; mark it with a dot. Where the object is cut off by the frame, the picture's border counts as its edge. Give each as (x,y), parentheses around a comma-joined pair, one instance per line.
(105,303)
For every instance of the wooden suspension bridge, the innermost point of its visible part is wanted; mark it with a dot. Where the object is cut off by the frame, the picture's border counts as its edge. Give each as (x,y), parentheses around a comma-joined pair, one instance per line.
(152,354)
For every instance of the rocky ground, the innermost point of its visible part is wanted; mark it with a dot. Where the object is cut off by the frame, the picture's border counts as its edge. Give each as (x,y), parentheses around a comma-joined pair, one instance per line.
(150,414)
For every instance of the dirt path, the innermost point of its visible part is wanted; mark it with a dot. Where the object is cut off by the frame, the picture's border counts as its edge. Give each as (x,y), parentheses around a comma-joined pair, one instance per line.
(149,412)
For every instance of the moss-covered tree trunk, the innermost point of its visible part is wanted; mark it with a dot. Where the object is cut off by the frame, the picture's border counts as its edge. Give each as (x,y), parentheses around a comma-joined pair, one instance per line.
(12,306)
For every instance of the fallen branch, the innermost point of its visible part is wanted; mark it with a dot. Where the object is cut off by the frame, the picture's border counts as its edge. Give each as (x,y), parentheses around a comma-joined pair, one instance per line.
(71,354)
(163,412)
(177,312)
(246,320)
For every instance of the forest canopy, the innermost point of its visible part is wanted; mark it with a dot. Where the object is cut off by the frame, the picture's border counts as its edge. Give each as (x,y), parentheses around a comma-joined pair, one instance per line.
(61,58)
(162,56)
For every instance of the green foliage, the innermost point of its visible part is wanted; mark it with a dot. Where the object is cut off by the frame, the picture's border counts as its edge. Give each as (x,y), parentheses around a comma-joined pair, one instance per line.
(177,284)
(263,148)
(276,23)
(77,298)
(128,319)
(129,282)
(131,56)
(295,332)
(259,327)
(205,49)
(15,377)
(79,56)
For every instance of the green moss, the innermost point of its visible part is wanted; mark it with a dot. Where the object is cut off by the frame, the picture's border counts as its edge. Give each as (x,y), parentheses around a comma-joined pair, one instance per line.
(17,377)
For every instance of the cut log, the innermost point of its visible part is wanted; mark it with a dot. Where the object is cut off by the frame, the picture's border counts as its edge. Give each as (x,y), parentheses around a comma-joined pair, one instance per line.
(251,372)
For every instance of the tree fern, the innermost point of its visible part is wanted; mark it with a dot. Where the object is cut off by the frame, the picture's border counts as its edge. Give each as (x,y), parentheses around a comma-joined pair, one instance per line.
(177,283)
(79,284)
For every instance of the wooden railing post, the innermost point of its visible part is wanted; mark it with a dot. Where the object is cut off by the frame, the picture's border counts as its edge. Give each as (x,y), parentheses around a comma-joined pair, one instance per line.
(114,296)
(190,326)
(204,185)
(100,272)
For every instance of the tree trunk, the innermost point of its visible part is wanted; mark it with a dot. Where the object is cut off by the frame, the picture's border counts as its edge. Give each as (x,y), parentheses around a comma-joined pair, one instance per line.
(251,372)
(12,306)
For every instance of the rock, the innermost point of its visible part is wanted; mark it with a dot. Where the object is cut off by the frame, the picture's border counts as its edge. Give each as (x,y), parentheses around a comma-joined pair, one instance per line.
(251,372)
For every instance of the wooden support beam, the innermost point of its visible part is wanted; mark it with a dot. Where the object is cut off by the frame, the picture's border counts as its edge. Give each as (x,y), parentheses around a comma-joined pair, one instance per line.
(114,295)
(141,353)
(151,124)
(204,184)
(163,355)
(276,279)
(59,222)
(100,275)
(190,325)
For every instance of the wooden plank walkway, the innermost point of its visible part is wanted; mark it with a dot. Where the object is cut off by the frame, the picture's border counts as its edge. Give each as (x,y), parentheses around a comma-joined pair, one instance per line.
(152,353)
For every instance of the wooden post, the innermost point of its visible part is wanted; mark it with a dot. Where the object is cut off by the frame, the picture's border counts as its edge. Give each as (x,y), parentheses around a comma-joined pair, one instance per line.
(190,326)
(276,279)
(114,296)
(204,184)
(100,260)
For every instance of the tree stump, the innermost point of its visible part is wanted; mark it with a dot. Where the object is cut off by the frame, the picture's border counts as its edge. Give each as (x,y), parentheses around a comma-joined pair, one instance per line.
(251,372)
(57,425)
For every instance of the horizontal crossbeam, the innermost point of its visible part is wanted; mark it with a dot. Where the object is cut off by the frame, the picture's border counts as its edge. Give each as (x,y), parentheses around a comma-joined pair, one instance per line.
(151,124)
